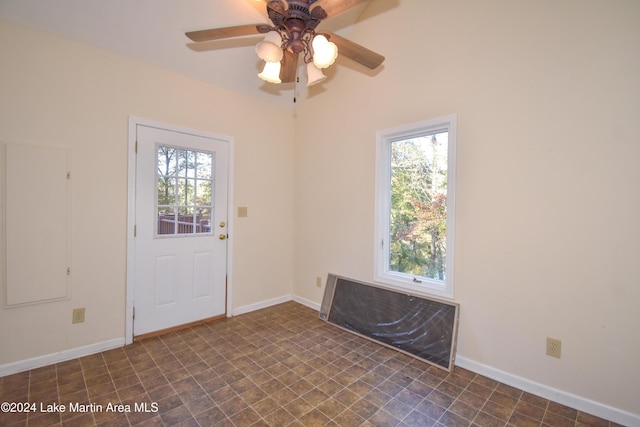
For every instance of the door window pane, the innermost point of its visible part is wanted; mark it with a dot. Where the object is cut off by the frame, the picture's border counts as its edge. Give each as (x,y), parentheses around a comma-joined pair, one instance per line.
(204,164)
(167,161)
(166,191)
(184,199)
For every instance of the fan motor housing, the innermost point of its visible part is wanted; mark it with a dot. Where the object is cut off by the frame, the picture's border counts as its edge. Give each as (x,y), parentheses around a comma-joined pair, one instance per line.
(295,20)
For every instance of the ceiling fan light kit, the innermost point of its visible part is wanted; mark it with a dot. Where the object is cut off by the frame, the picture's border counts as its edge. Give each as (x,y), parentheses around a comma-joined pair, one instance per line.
(271,72)
(270,49)
(292,35)
(324,51)
(314,74)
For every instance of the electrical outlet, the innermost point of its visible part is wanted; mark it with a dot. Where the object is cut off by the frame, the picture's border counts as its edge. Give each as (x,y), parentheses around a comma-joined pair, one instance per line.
(554,347)
(78,315)
(319,281)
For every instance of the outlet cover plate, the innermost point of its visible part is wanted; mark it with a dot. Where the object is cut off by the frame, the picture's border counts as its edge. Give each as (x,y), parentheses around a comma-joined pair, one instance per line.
(78,315)
(554,347)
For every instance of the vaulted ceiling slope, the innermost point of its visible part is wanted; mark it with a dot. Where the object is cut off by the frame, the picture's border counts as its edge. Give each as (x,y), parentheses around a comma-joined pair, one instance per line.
(153,31)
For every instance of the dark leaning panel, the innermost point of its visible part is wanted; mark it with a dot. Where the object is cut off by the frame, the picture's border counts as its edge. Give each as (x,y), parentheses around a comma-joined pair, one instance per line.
(421,327)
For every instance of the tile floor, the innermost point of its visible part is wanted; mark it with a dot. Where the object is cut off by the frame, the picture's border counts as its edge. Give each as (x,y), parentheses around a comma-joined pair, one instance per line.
(279,366)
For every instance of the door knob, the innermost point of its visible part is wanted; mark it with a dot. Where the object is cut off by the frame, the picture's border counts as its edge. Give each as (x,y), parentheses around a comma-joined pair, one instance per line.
(222,236)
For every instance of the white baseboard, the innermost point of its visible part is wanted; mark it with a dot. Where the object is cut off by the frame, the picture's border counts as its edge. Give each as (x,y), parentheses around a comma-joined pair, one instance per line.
(307,302)
(263,304)
(61,356)
(571,400)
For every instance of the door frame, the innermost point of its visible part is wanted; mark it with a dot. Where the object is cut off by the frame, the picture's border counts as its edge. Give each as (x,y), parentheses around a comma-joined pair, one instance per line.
(131,212)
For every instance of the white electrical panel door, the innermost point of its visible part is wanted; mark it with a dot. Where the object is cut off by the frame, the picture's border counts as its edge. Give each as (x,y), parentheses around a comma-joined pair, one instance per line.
(36,224)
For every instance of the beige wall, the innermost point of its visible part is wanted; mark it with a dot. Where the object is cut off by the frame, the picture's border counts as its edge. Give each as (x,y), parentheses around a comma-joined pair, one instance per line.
(548,200)
(58,93)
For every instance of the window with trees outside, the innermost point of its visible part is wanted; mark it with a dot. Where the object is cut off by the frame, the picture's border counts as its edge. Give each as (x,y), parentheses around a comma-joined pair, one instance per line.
(415,206)
(184,202)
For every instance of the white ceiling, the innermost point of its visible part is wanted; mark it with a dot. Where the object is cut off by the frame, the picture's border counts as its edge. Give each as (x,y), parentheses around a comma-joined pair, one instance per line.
(153,31)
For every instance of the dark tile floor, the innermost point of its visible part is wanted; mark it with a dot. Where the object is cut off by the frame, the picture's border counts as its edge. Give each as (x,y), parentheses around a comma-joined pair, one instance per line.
(279,366)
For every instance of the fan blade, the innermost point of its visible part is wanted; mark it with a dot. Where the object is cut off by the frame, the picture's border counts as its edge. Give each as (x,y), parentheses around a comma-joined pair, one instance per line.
(333,7)
(289,67)
(358,53)
(228,32)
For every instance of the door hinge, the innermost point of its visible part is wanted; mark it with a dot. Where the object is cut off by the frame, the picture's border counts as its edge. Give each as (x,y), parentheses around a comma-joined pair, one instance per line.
(134,312)
(135,230)
(136,148)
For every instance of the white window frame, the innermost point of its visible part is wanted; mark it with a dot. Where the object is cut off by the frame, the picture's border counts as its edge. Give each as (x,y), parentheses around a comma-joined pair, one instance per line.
(382,274)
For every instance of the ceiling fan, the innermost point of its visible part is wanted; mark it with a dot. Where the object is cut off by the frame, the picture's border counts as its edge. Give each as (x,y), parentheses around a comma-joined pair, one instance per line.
(293,35)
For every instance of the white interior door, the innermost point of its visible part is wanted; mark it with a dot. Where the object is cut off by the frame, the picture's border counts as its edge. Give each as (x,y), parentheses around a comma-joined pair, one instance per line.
(181,229)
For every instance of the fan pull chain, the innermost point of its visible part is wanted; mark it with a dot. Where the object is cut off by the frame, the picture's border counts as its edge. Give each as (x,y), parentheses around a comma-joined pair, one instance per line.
(295,82)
